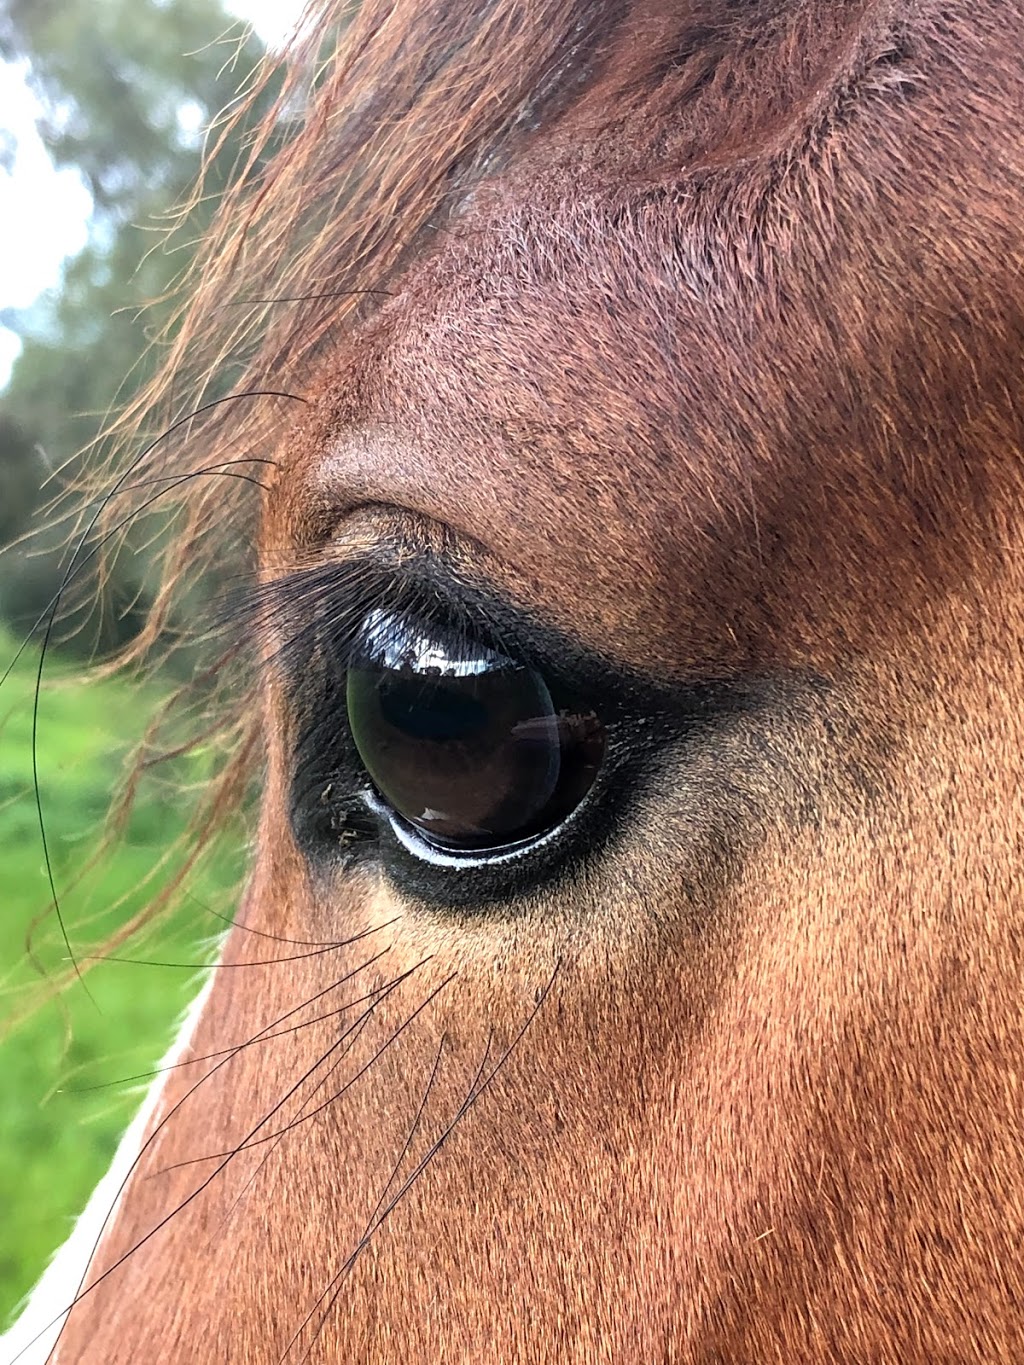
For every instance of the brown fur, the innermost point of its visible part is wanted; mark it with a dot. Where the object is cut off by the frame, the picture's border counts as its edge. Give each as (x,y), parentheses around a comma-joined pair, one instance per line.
(704,339)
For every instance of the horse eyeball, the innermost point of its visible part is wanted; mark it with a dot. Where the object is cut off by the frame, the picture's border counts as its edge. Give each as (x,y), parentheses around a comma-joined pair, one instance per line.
(463,742)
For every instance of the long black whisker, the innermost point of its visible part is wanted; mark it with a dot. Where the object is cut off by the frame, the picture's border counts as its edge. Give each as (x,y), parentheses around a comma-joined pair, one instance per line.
(413,1128)
(223,467)
(279,938)
(250,1042)
(172,481)
(475,1091)
(52,616)
(80,1294)
(463,1110)
(269,1137)
(348,1038)
(334,1285)
(75,564)
(375,996)
(338,1061)
(212,966)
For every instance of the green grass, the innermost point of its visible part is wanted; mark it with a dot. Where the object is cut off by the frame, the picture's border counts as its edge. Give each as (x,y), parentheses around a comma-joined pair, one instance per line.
(58,1130)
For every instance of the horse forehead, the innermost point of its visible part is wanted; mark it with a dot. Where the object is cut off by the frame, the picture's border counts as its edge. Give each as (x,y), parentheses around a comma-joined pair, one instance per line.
(596,389)
(559,369)
(660,386)
(530,387)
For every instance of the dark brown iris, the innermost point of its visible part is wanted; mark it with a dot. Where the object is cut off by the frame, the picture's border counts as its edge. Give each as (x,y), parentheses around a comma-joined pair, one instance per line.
(463,742)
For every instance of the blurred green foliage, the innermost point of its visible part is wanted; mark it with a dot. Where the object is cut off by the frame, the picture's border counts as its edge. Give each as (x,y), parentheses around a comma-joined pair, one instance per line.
(126,89)
(57,1135)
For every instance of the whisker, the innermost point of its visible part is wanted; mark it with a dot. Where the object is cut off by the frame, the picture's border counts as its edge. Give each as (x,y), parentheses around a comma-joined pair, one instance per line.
(278,938)
(318,951)
(417,1119)
(250,1042)
(476,1089)
(353,1029)
(81,1294)
(211,966)
(224,467)
(50,615)
(172,482)
(118,486)
(334,1285)
(470,1102)
(356,1035)
(269,1137)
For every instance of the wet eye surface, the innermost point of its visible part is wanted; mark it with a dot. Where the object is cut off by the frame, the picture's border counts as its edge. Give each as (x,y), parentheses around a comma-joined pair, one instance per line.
(467,745)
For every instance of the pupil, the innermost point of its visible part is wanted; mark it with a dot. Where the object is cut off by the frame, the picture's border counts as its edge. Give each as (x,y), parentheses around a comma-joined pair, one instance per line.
(430,712)
(463,742)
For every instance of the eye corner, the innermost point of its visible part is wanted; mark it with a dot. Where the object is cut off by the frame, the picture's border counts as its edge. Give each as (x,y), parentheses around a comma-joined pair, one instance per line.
(328,815)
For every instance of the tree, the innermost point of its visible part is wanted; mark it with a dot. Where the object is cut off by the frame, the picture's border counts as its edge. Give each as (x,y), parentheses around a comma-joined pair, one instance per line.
(126,89)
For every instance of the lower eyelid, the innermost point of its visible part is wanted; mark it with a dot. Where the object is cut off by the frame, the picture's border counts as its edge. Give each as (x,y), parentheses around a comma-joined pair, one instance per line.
(415,843)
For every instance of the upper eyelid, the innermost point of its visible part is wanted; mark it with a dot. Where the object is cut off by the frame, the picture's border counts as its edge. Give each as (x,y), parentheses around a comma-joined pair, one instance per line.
(330,601)
(326,604)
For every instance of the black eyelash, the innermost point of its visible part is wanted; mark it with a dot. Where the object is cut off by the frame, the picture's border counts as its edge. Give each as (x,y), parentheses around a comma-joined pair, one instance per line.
(318,611)
(311,617)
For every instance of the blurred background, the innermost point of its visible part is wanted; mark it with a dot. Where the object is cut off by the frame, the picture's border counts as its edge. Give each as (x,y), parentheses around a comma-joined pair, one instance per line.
(103,108)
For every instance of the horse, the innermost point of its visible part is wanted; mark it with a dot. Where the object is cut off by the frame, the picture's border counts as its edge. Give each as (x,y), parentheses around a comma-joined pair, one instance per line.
(629,965)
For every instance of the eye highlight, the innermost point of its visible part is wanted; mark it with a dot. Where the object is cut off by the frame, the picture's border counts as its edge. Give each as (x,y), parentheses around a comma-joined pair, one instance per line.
(470,747)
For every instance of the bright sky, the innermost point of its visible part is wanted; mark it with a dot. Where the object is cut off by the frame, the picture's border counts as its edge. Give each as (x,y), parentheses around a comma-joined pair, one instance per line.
(43,212)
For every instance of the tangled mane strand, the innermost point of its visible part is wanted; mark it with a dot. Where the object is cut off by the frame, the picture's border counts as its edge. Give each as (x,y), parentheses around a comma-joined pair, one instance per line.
(381,116)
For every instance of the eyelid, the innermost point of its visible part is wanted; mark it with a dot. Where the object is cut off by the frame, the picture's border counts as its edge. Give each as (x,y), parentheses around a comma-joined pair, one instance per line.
(309,618)
(414,843)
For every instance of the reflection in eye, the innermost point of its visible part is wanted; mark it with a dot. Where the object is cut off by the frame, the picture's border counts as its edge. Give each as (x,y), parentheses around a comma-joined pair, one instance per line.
(461,741)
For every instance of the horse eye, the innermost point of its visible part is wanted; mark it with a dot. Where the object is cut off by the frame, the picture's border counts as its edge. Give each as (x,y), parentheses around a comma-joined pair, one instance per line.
(463,742)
